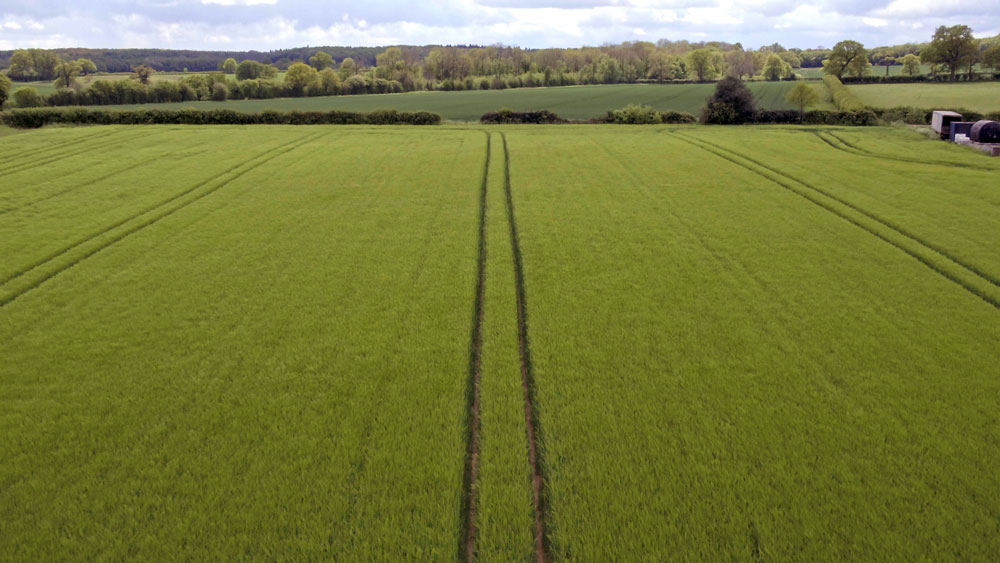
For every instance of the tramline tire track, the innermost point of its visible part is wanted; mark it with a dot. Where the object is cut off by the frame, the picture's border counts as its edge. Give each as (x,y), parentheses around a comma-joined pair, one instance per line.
(857,151)
(10,157)
(68,149)
(146,210)
(257,162)
(470,490)
(992,279)
(49,159)
(722,153)
(74,187)
(533,428)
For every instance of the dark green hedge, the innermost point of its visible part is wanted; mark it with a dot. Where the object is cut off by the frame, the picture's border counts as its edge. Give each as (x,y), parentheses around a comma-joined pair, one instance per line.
(33,118)
(861,118)
(511,116)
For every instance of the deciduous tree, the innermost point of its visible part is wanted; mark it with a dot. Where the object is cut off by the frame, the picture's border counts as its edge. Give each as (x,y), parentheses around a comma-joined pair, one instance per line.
(776,68)
(142,73)
(321,60)
(349,68)
(802,96)
(87,66)
(706,63)
(4,89)
(21,66)
(847,57)
(911,65)
(991,57)
(740,63)
(954,47)
(229,66)
(329,80)
(66,74)
(301,76)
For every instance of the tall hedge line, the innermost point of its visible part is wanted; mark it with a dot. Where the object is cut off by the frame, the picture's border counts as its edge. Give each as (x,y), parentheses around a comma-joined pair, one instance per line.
(843,98)
(38,117)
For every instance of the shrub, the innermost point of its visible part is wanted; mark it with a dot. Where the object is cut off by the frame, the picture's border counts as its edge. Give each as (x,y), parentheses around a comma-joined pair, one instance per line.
(677,117)
(731,104)
(633,114)
(511,116)
(219,92)
(27,97)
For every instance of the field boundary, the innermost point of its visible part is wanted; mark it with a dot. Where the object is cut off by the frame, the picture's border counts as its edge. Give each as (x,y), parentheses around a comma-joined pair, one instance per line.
(849,148)
(71,152)
(470,480)
(816,197)
(249,164)
(533,428)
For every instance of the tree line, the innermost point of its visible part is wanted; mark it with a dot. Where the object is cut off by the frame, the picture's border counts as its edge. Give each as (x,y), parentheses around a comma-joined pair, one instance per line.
(951,52)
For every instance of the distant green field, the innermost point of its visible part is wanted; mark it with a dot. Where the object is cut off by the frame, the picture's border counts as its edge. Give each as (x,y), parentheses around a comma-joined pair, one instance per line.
(722,344)
(894,70)
(977,96)
(571,102)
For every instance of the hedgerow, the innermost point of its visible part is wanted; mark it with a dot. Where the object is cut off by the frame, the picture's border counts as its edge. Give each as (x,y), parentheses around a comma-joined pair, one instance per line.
(33,118)
(843,98)
(511,116)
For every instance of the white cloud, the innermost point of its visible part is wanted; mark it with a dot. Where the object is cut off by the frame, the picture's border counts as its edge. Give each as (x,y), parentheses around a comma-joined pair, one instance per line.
(270,24)
(240,2)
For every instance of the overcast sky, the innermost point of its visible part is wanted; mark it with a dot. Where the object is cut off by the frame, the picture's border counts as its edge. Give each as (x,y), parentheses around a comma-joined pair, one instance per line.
(272,24)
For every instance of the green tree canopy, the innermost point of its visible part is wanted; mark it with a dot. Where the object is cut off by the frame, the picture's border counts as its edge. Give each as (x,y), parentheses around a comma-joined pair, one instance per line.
(706,63)
(329,81)
(847,57)
(251,70)
(389,63)
(66,74)
(28,97)
(21,66)
(229,66)
(911,64)
(301,76)
(802,96)
(142,73)
(321,60)
(991,57)
(954,47)
(775,68)
(4,89)
(349,68)
(87,66)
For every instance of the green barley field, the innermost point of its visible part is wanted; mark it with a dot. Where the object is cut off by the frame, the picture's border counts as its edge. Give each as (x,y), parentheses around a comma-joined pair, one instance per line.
(566,343)
(977,96)
(570,102)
